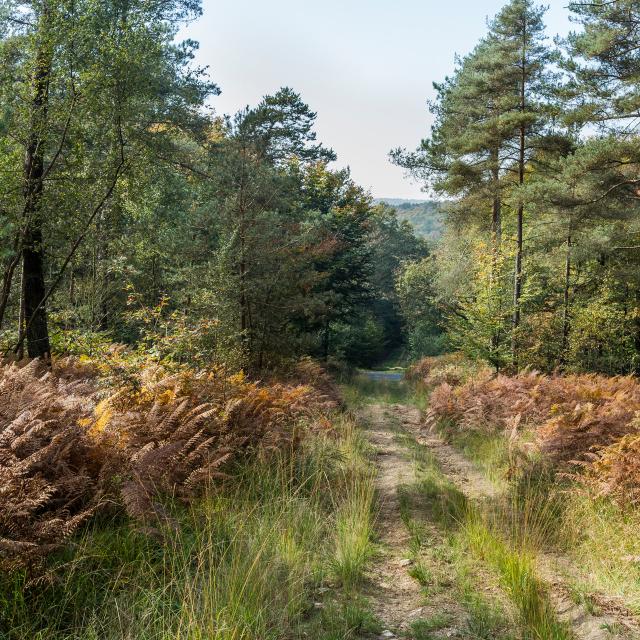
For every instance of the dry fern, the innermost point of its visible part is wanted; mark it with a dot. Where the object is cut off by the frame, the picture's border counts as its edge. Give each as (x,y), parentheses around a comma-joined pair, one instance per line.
(573,416)
(615,471)
(48,464)
(62,448)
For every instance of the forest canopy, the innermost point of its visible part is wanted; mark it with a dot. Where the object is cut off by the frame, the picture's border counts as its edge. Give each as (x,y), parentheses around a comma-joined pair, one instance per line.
(133,214)
(534,147)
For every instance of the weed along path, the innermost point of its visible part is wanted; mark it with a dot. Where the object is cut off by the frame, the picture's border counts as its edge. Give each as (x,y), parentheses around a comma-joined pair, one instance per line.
(443,571)
(587,618)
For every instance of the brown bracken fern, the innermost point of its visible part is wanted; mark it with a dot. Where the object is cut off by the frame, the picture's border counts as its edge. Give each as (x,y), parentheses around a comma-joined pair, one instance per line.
(69,448)
(590,422)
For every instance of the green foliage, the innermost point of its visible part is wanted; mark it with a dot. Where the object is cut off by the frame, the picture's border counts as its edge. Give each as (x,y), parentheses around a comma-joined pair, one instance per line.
(418,302)
(602,337)
(525,140)
(425,217)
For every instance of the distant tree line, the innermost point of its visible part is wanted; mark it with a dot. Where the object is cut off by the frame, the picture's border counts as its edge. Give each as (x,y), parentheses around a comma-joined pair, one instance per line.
(424,216)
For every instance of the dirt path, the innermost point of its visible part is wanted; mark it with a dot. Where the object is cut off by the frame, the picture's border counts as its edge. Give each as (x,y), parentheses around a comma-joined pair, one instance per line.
(398,599)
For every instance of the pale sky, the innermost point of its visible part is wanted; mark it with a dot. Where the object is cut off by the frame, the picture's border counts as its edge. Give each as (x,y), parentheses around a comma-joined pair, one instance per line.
(365,66)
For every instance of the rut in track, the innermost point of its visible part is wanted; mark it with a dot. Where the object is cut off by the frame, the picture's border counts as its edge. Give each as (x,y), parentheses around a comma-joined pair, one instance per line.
(395,596)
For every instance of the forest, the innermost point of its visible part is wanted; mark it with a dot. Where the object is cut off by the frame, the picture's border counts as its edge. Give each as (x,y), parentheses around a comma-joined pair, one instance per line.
(533,148)
(131,214)
(243,399)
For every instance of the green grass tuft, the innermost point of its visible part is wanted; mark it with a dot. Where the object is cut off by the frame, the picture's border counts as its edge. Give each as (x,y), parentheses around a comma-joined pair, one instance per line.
(243,563)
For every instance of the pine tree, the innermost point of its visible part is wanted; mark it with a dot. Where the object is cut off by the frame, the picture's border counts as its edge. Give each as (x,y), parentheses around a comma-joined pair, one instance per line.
(605,61)
(491,118)
(518,38)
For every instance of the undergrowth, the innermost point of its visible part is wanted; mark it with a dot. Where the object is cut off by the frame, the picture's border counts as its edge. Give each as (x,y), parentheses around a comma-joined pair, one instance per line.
(84,439)
(360,389)
(564,450)
(246,562)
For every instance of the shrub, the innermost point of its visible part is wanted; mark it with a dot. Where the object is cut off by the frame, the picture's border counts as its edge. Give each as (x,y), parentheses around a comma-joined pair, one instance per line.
(615,471)
(69,448)
(571,415)
(453,369)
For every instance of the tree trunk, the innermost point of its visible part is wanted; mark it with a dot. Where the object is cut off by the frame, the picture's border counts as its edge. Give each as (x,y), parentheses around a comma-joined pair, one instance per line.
(104,277)
(242,265)
(496,214)
(517,280)
(35,314)
(496,238)
(517,276)
(243,284)
(496,223)
(34,291)
(7,280)
(21,314)
(565,314)
(325,341)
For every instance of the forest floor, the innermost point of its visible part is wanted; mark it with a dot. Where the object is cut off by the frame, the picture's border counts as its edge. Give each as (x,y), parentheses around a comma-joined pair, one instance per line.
(432,577)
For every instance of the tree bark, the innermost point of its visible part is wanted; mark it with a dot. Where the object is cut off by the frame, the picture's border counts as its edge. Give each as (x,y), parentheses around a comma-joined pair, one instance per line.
(20,348)
(496,214)
(7,280)
(242,264)
(34,290)
(496,235)
(566,299)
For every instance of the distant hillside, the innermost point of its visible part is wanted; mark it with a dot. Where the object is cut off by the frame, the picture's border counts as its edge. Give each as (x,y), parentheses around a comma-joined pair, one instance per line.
(424,215)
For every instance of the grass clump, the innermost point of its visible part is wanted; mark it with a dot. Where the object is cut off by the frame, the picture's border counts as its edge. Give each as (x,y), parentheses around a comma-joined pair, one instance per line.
(497,535)
(345,620)
(517,572)
(489,452)
(354,532)
(420,572)
(241,563)
(422,629)
(362,390)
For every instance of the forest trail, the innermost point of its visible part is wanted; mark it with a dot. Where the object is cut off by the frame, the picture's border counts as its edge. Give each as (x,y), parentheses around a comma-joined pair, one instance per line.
(398,599)
(395,595)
